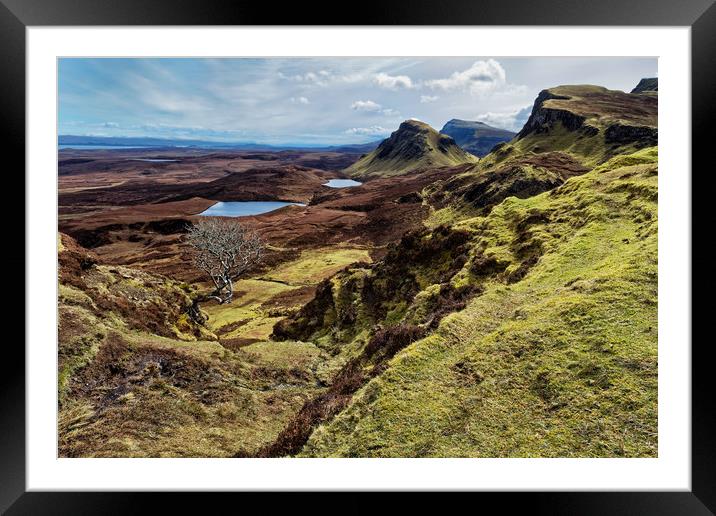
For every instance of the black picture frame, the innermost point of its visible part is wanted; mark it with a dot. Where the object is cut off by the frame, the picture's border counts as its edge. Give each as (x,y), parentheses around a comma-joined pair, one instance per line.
(700,15)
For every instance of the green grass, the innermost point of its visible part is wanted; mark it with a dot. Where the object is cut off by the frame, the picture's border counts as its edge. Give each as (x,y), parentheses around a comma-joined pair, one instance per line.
(253,295)
(79,346)
(250,294)
(284,355)
(210,402)
(166,397)
(590,151)
(396,155)
(316,264)
(560,364)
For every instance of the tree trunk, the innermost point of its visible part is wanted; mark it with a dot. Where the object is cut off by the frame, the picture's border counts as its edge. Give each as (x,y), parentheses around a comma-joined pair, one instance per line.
(195,311)
(230,287)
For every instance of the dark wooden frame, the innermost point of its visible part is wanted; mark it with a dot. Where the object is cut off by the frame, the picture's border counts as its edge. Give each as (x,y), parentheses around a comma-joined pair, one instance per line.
(700,15)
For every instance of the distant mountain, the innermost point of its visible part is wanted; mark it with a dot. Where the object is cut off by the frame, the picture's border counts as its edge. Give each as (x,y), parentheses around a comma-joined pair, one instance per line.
(476,137)
(145,141)
(650,84)
(414,145)
(360,148)
(142,141)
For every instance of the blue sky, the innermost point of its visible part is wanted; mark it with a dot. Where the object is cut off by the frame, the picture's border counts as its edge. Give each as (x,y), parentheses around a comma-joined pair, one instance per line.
(314,100)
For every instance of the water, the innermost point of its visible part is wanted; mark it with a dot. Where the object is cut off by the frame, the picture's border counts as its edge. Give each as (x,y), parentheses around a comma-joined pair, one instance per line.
(99,147)
(342,183)
(244,208)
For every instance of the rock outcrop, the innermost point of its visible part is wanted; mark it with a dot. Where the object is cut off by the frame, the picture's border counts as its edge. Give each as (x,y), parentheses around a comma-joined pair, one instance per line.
(590,121)
(647,85)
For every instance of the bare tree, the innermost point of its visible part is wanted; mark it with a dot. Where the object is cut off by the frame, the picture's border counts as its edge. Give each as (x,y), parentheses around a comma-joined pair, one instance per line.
(223,249)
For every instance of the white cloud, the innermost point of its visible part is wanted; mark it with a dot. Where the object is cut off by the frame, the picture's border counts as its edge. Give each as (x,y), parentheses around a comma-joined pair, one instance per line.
(393,82)
(299,100)
(374,130)
(373,107)
(511,120)
(481,77)
(321,78)
(365,105)
(211,98)
(522,116)
(305,77)
(427,99)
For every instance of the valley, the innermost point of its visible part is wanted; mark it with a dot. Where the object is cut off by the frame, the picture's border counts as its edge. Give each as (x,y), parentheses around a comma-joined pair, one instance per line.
(429,296)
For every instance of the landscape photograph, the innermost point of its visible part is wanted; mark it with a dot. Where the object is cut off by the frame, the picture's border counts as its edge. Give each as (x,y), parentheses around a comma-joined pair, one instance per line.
(359,257)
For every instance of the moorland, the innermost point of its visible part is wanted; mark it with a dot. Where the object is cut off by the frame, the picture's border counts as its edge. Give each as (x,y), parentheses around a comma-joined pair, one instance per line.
(495,304)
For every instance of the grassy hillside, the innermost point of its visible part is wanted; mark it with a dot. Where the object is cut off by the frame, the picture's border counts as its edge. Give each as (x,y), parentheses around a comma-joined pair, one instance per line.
(589,122)
(520,321)
(413,146)
(571,130)
(137,378)
(556,356)
(264,300)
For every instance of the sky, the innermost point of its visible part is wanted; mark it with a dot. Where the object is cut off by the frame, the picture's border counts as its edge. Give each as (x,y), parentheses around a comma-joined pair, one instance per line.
(314,101)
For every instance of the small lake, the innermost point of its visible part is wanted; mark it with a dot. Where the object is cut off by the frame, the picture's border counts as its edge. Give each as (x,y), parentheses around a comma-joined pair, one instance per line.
(342,183)
(244,208)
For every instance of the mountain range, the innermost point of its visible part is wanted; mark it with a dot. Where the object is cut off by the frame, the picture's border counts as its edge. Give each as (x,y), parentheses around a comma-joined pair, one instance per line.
(146,141)
(476,138)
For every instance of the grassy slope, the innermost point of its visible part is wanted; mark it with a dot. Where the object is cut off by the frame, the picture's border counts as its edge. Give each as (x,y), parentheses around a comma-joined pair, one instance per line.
(367,167)
(561,363)
(209,402)
(589,151)
(552,151)
(600,108)
(254,304)
(170,389)
(371,165)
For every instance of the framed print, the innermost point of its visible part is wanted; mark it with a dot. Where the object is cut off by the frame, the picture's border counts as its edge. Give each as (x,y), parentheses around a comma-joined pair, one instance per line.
(266,251)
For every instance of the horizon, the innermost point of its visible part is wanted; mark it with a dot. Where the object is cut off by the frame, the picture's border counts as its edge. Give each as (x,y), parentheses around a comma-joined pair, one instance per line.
(244,142)
(313,102)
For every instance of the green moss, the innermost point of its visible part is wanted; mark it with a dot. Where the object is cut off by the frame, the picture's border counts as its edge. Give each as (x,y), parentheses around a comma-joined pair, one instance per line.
(252,294)
(75,354)
(413,146)
(69,295)
(304,355)
(561,363)
(550,349)
(179,392)
(314,265)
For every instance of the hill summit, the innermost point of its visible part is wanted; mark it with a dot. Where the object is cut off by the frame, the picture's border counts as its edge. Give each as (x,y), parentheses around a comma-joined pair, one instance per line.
(413,146)
(475,137)
(591,123)
(647,85)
